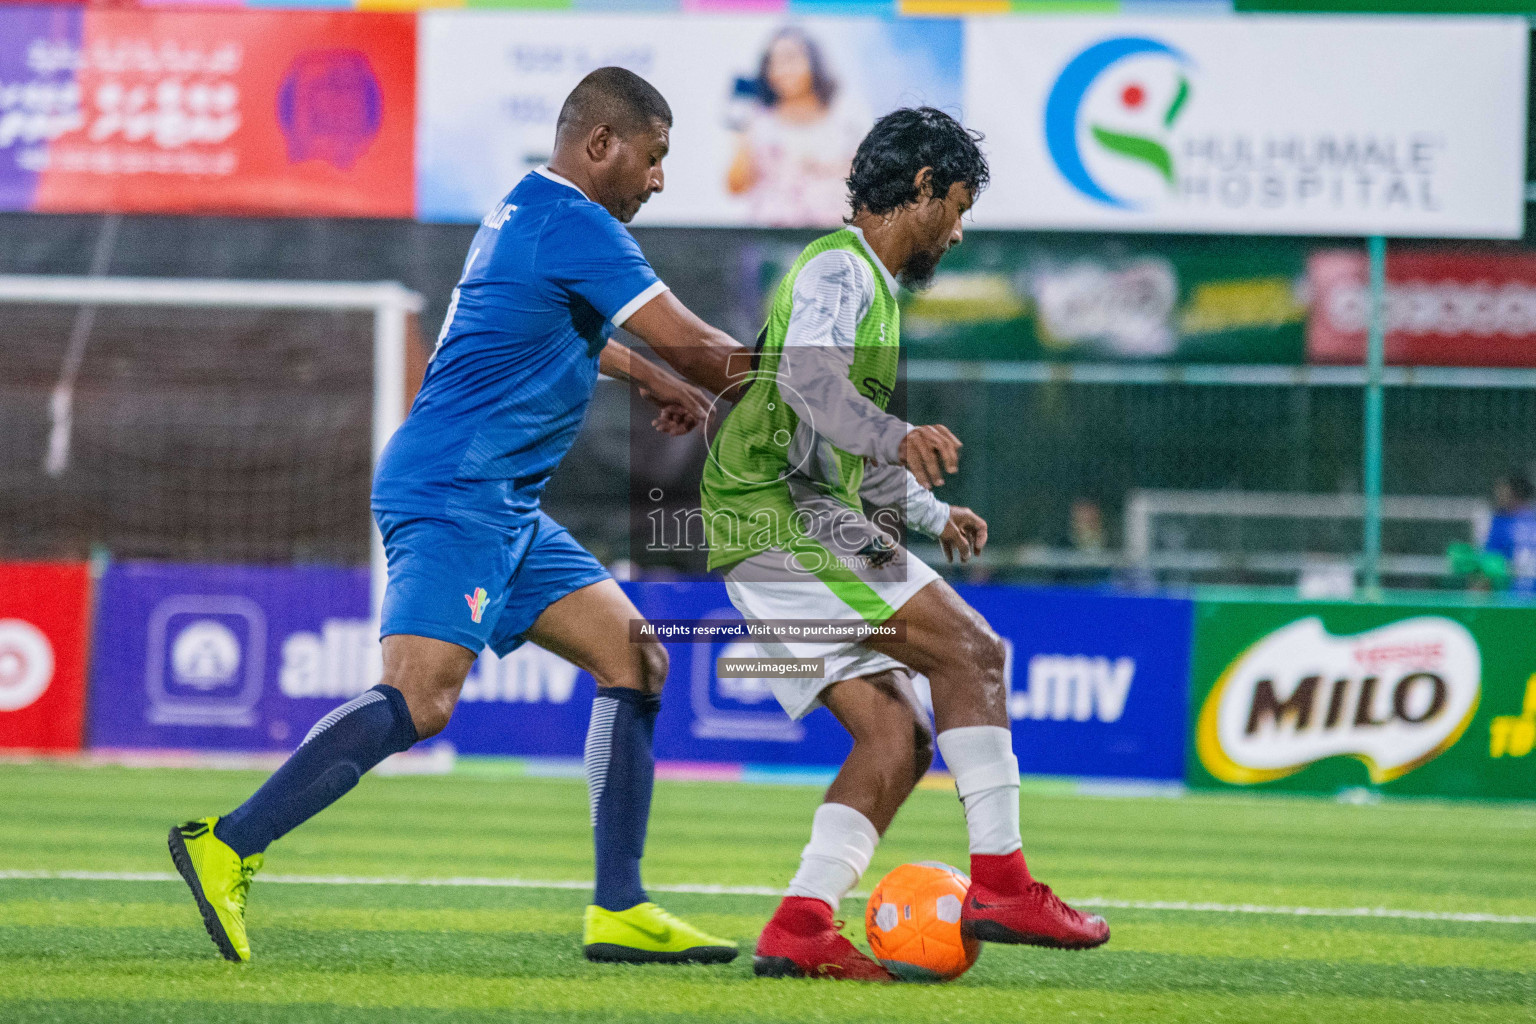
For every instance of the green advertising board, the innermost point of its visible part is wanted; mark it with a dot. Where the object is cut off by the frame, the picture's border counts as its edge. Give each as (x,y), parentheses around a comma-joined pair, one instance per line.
(1054,297)
(1408,699)
(1144,299)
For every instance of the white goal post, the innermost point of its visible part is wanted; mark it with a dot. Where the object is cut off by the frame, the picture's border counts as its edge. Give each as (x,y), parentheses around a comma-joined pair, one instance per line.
(1143,506)
(390,302)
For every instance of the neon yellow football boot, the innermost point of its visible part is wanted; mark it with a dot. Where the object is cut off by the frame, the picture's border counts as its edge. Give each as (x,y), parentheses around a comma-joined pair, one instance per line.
(219,881)
(646,934)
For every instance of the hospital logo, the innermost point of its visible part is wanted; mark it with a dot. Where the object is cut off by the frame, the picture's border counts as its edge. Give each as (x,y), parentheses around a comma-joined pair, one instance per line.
(1109,119)
(477,602)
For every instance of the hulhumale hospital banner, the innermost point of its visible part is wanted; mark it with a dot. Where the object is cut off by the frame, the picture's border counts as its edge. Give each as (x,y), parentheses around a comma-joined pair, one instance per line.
(767,112)
(1254,125)
(273,112)
(1267,125)
(247,659)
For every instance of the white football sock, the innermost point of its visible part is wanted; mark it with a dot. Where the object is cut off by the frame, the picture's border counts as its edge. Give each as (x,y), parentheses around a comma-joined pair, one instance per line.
(842,842)
(980,757)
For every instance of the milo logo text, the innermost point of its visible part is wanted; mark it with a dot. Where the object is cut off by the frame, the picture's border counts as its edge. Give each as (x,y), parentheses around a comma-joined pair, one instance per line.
(1392,697)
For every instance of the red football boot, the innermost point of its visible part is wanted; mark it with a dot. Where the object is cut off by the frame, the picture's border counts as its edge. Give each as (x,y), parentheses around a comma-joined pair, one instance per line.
(1005,904)
(802,941)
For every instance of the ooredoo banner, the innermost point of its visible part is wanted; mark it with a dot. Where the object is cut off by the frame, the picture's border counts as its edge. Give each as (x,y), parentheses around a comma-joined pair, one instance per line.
(1454,308)
(44,622)
(1255,125)
(767,112)
(1419,700)
(254,112)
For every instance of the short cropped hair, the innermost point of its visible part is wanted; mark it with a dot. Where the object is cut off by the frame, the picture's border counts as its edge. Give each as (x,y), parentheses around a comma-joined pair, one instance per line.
(1519,487)
(616,97)
(902,143)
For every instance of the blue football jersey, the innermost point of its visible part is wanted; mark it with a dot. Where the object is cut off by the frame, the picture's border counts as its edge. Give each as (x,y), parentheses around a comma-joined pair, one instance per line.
(550,274)
(1513,535)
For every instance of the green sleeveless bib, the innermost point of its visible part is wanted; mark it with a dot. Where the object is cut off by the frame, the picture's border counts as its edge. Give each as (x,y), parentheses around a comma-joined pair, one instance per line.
(745,492)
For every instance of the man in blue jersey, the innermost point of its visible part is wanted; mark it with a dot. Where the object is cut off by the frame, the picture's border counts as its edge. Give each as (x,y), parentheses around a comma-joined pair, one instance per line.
(473,561)
(1512,531)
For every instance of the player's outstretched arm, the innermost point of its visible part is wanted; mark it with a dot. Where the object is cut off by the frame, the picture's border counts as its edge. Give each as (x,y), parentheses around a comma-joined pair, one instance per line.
(703,354)
(680,405)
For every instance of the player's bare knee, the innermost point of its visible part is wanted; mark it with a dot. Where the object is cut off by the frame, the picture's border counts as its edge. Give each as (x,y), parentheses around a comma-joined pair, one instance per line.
(893,741)
(984,652)
(653,665)
(429,695)
(432,708)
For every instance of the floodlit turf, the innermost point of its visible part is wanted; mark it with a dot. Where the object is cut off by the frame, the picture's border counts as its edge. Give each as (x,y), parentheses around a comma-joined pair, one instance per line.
(92,950)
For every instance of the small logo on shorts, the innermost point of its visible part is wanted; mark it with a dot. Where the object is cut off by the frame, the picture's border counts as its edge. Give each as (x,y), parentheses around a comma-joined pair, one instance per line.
(477,602)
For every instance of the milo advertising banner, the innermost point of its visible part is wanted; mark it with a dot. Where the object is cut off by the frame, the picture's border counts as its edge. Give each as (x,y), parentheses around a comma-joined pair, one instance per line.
(1414,700)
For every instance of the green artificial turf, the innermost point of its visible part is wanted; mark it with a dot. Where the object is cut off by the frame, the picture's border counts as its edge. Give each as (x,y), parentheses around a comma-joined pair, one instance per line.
(118,950)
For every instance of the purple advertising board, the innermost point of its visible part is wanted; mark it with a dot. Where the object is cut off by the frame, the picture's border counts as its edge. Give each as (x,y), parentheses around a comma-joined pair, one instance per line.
(247,659)
(194,657)
(200,657)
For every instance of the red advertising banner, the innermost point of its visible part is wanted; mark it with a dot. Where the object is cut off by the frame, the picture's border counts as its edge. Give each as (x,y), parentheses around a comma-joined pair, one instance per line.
(44,623)
(1452,308)
(241,112)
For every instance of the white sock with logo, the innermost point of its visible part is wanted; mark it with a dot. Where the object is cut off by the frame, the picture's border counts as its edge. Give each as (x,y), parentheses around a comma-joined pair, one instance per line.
(980,757)
(842,843)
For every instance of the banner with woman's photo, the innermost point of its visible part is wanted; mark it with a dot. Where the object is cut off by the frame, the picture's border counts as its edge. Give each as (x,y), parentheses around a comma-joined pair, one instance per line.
(767,113)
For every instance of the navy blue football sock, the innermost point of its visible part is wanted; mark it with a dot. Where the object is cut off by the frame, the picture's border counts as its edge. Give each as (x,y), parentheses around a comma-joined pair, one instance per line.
(338,750)
(620,773)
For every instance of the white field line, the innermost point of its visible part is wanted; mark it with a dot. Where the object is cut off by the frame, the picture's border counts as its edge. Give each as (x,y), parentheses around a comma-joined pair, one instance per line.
(1096,903)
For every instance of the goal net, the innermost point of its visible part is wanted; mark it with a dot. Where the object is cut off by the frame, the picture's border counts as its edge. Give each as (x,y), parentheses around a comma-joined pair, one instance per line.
(196,420)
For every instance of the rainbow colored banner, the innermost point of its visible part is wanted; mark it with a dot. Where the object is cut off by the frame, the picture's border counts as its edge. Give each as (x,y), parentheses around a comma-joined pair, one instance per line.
(243,112)
(878,8)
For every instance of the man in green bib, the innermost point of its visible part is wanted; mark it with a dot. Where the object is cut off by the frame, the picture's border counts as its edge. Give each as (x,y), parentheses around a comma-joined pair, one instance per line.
(789,475)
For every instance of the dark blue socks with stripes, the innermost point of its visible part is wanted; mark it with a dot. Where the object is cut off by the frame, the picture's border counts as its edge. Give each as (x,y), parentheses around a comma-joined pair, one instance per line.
(341,747)
(620,773)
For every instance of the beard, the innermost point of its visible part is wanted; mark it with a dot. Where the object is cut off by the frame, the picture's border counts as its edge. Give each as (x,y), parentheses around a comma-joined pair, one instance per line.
(917,275)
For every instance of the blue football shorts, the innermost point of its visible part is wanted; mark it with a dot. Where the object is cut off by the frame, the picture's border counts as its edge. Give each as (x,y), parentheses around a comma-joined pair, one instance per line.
(477,582)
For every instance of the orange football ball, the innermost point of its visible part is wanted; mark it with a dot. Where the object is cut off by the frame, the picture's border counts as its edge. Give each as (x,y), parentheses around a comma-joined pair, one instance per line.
(913,923)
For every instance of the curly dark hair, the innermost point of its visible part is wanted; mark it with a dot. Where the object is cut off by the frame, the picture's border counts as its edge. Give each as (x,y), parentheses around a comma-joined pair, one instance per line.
(902,143)
(822,82)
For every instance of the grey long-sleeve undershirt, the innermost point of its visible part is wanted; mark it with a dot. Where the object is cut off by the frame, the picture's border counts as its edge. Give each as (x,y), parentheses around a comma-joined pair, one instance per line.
(832,294)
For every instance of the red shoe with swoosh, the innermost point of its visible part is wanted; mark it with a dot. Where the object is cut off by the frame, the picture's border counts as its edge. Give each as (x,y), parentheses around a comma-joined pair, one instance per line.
(802,941)
(1006,905)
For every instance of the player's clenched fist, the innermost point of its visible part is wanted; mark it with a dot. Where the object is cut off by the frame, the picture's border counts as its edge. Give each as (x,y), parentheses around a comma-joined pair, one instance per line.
(930,452)
(965,534)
